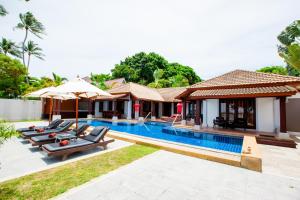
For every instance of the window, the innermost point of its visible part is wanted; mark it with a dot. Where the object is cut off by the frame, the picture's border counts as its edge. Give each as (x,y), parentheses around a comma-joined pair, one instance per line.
(110,103)
(100,106)
(234,109)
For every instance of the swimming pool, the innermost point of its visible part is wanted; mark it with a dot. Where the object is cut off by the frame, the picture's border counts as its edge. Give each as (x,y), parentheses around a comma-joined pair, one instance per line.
(164,131)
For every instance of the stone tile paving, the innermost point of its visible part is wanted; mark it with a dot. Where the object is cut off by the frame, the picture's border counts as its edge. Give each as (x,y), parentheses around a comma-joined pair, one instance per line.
(165,175)
(18,157)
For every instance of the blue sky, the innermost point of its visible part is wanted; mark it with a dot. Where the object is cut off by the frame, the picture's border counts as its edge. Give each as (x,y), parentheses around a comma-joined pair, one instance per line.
(212,36)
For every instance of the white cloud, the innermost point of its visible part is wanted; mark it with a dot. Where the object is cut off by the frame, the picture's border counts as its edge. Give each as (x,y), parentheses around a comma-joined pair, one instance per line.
(211,36)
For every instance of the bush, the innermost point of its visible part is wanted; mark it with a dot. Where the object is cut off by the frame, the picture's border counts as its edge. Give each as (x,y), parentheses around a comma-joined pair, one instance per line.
(6,131)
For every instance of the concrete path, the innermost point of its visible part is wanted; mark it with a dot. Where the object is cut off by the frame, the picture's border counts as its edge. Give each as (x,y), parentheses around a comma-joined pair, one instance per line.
(18,157)
(165,175)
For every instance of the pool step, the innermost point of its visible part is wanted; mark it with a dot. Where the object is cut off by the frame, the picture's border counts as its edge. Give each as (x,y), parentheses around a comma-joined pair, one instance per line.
(271,140)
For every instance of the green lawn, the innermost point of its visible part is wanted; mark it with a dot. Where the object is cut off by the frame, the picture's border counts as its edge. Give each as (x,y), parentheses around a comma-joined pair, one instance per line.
(51,182)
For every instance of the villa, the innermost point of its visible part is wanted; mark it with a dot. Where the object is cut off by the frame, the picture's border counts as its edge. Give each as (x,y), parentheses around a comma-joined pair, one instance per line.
(252,100)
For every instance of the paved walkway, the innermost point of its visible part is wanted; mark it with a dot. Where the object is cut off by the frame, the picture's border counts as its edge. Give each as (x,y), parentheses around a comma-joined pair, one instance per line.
(165,175)
(18,157)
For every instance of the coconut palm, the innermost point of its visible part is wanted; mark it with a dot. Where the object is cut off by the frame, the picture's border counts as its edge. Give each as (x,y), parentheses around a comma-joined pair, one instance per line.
(58,79)
(32,49)
(30,24)
(3,11)
(292,55)
(9,47)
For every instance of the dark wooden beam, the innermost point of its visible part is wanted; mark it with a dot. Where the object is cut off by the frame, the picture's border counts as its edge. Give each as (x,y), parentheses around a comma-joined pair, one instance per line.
(282,104)
(198,112)
(184,109)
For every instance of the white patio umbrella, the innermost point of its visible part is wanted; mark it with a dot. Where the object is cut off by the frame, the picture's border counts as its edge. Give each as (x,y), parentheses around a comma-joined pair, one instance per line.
(49,92)
(80,88)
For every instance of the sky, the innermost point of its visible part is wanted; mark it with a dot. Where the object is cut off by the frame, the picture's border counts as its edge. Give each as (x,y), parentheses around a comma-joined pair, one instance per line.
(211,36)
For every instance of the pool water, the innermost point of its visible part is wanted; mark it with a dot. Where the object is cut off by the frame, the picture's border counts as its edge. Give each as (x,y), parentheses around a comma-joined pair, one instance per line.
(165,131)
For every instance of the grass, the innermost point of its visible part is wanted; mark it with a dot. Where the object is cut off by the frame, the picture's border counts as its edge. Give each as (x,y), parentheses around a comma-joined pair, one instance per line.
(52,182)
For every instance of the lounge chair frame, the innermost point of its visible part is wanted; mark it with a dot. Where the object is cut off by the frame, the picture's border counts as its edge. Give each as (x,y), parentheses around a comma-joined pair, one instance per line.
(65,153)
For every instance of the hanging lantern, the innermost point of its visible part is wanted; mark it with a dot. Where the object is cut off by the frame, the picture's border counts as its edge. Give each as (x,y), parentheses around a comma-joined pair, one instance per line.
(179,108)
(136,107)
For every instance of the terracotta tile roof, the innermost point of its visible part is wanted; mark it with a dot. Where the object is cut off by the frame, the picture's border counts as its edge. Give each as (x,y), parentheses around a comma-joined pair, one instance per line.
(114,96)
(246,78)
(169,94)
(244,92)
(138,91)
(115,82)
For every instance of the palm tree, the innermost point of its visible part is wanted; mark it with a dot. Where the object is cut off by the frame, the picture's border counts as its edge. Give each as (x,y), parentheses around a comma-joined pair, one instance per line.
(9,47)
(58,79)
(30,24)
(292,55)
(32,49)
(3,11)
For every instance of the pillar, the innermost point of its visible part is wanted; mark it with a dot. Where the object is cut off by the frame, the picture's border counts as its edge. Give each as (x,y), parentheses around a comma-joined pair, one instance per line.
(141,108)
(153,114)
(172,108)
(129,109)
(114,108)
(183,121)
(136,113)
(160,109)
(197,114)
(282,102)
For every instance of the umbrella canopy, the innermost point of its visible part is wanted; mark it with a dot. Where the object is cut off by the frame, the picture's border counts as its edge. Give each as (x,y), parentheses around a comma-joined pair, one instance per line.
(79,88)
(49,92)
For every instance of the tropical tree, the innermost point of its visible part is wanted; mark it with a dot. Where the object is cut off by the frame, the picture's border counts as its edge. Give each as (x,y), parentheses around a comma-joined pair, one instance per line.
(140,67)
(99,80)
(32,49)
(9,47)
(58,80)
(179,81)
(292,55)
(289,49)
(274,70)
(30,24)
(3,11)
(12,76)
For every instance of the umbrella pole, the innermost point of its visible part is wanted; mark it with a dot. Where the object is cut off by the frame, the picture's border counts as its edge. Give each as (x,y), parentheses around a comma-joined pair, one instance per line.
(50,109)
(76,112)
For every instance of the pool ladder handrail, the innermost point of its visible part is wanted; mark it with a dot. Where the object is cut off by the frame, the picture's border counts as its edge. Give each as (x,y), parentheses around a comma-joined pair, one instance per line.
(174,120)
(148,115)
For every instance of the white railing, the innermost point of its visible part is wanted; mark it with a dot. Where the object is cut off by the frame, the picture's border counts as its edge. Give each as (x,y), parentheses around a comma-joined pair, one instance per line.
(175,120)
(147,116)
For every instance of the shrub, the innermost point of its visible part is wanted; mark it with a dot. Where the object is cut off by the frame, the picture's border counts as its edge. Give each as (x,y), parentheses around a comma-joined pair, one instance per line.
(6,131)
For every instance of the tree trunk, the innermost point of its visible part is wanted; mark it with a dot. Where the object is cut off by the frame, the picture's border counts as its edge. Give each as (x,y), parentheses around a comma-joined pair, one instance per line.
(23,53)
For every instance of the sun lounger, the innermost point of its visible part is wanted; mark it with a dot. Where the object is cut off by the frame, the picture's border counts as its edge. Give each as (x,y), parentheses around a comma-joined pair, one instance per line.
(52,125)
(93,140)
(62,127)
(48,138)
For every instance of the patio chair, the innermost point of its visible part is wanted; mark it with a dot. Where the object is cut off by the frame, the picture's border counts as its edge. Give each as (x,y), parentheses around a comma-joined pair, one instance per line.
(48,138)
(52,125)
(239,123)
(62,127)
(220,121)
(91,141)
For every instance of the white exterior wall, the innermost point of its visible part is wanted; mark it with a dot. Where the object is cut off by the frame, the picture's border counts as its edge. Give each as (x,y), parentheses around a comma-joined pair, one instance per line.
(160,107)
(17,109)
(97,113)
(212,111)
(105,105)
(265,116)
